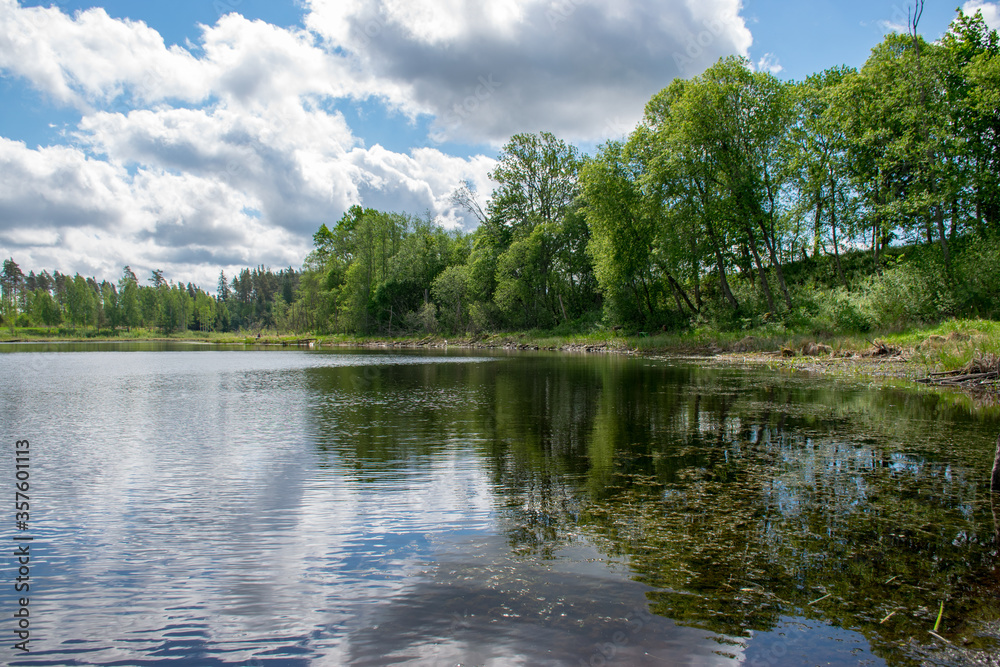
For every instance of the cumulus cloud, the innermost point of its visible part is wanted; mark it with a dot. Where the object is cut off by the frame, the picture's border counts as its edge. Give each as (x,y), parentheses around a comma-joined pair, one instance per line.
(990,10)
(488,70)
(769,63)
(60,209)
(231,150)
(91,58)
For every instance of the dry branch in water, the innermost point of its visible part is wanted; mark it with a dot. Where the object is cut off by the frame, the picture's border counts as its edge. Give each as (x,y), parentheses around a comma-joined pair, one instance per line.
(982,372)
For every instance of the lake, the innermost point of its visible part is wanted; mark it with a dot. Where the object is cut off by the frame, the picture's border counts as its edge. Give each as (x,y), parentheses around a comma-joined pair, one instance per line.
(191,504)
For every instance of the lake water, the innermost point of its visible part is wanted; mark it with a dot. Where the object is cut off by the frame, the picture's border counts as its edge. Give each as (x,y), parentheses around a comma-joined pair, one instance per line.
(207,506)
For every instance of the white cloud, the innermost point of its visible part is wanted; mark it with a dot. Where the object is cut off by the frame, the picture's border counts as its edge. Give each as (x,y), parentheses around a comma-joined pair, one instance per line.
(990,10)
(893,26)
(60,209)
(91,57)
(231,151)
(529,65)
(769,63)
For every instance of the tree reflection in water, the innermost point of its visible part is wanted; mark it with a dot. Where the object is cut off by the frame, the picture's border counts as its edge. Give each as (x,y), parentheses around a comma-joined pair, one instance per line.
(741,496)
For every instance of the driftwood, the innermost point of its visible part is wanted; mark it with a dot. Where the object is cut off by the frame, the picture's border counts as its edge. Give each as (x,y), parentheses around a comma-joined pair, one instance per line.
(882,349)
(983,372)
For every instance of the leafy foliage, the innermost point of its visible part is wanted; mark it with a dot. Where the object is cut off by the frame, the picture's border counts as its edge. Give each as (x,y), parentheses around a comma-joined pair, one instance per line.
(852,200)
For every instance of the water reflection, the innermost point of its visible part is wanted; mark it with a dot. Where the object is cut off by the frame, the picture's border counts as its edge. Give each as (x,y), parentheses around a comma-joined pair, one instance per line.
(746,501)
(209,507)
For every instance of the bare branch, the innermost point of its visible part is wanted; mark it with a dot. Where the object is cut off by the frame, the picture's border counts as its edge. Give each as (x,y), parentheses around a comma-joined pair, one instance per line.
(465,197)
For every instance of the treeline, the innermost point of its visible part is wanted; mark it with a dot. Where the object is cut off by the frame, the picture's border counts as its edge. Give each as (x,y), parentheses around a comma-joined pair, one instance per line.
(737,177)
(851,200)
(250,301)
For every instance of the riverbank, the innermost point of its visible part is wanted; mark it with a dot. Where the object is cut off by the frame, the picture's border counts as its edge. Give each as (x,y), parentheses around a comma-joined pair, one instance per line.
(912,354)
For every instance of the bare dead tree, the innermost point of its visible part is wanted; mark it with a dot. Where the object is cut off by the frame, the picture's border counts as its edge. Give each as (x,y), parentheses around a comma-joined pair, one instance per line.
(465,197)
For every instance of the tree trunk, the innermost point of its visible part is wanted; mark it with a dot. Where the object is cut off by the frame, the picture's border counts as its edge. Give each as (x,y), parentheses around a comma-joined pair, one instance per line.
(677,299)
(680,290)
(696,269)
(994,502)
(817,226)
(638,297)
(878,269)
(954,219)
(747,264)
(721,265)
(942,237)
(833,230)
(770,245)
(649,303)
(697,284)
(760,270)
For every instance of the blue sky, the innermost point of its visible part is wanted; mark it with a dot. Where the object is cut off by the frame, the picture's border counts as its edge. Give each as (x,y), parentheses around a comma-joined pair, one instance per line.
(200,135)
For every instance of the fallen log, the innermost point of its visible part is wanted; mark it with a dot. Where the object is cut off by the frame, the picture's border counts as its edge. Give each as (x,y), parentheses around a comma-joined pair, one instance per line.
(982,370)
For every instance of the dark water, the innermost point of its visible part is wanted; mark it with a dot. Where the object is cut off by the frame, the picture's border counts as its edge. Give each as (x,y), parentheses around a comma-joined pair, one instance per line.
(191,505)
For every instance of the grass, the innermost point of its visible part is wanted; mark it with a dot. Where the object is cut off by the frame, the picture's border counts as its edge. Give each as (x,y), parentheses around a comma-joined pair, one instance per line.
(68,335)
(950,344)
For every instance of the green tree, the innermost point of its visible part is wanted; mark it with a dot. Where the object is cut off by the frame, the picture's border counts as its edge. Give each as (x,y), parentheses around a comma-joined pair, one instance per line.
(11,281)
(538,184)
(110,312)
(818,164)
(204,311)
(129,308)
(676,174)
(81,305)
(736,119)
(451,291)
(44,309)
(622,235)
(974,95)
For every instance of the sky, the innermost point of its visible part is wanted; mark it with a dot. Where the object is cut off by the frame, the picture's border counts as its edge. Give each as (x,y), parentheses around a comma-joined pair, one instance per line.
(203,135)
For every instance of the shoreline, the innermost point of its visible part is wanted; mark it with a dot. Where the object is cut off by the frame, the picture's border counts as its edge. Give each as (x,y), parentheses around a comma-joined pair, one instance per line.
(913,356)
(902,367)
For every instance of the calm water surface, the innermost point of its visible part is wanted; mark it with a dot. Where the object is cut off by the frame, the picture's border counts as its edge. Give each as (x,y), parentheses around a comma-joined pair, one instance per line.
(203,506)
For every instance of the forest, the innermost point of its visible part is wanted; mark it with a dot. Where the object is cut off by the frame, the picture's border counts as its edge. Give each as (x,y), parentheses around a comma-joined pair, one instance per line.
(854,200)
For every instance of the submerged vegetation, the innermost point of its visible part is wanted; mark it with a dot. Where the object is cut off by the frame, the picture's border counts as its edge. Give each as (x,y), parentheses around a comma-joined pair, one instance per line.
(745,500)
(852,203)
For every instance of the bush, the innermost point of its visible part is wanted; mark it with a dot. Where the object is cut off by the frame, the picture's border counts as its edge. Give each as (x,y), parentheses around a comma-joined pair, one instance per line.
(424,319)
(839,310)
(977,268)
(484,316)
(903,294)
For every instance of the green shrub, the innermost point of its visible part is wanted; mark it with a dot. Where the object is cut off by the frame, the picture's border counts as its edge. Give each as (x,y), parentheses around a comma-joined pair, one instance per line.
(840,310)
(977,272)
